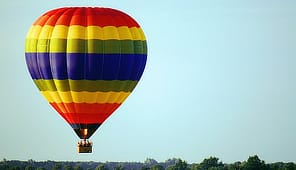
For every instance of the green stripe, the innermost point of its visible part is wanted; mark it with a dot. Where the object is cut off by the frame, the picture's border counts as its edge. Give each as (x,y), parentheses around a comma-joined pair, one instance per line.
(87,46)
(85,85)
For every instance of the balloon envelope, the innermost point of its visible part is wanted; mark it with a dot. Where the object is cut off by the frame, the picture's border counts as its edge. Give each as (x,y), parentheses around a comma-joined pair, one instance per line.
(85,61)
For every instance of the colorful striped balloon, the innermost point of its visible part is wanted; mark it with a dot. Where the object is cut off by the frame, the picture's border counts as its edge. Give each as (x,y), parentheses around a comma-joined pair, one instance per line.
(85,61)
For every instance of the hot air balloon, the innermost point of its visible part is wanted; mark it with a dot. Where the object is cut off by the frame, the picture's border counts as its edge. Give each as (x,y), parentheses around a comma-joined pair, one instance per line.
(85,61)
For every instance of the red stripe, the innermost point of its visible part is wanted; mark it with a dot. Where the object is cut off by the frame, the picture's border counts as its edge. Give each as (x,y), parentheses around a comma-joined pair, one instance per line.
(86,118)
(85,113)
(86,16)
(79,108)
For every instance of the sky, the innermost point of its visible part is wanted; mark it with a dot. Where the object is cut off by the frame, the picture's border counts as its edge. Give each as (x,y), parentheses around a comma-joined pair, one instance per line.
(220,81)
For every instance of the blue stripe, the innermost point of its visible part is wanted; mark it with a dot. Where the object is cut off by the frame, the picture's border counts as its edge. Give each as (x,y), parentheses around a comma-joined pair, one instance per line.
(79,66)
(85,126)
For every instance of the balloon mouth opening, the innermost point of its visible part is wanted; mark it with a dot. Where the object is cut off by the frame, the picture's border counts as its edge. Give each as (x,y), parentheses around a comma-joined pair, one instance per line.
(85,131)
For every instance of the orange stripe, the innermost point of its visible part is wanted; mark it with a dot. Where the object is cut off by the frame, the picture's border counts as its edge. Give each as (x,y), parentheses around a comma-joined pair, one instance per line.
(85,113)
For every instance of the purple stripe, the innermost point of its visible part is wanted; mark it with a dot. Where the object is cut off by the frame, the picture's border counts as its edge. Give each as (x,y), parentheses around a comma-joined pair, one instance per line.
(78,66)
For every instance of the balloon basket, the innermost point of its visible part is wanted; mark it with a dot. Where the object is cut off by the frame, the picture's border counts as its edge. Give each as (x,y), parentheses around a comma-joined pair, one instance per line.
(84,146)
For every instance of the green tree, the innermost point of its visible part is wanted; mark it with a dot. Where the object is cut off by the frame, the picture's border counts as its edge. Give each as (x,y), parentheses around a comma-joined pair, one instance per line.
(194,166)
(119,167)
(217,168)
(157,167)
(4,164)
(276,166)
(254,163)
(29,167)
(57,167)
(15,168)
(102,167)
(289,166)
(145,168)
(68,167)
(77,167)
(40,168)
(234,166)
(180,165)
(210,163)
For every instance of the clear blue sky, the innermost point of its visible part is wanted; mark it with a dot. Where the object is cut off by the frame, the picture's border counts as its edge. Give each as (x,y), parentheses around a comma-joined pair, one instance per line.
(220,81)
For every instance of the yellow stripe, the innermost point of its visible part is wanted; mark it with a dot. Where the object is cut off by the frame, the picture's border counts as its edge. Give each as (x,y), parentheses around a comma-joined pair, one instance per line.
(89,32)
(137,33)
(59,31)
(46,32)
(85,97)
(34,32)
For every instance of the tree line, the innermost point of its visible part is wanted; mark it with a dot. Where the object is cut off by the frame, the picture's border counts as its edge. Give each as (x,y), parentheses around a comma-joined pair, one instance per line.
(211,163)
